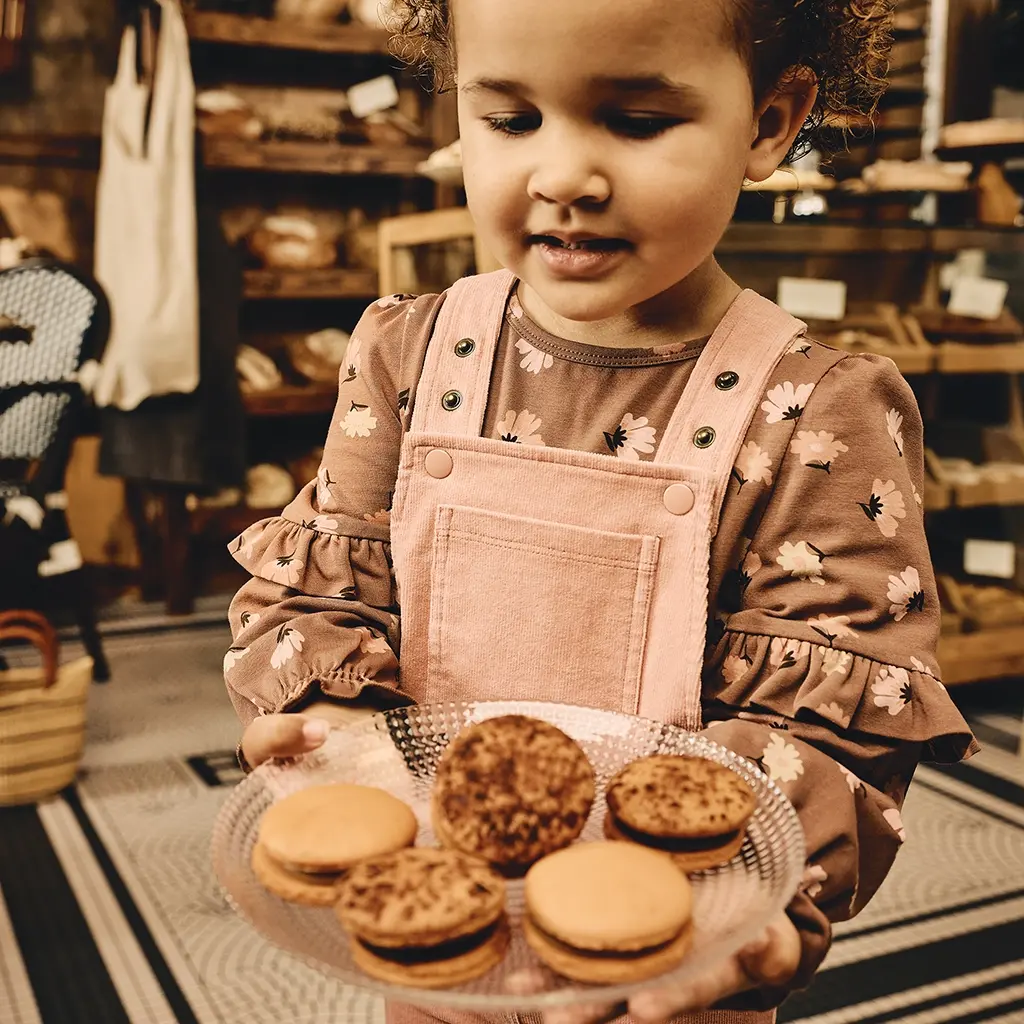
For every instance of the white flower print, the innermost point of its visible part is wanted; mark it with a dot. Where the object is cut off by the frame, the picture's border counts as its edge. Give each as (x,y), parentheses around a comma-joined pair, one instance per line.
(834,713)
(786,401)
(520,428)
(324,483)
(885,507)
(234,655)
(533,359)
(800,347)
(371,644)
(894,425)
(783,653)
(802,560)
(753,465)
(812,879)
(851,780)
(353,360)
(249,619)
(325,524)
(380,516)
(358,421)
(735,668)
(750,567)
(387,301)
(921,667)
(892,689)
(831,627)
(917,497)
(285,569)
(631,437)
(246,545)
(816,450)
(905,593)
(835,663)
(289,642)
(892,816)
(782,760)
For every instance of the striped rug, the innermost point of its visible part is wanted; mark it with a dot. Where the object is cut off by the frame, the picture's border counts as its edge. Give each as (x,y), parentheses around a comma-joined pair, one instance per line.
(109,913)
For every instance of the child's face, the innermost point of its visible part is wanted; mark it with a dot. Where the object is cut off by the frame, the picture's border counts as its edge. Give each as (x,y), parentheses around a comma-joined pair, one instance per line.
(625,122)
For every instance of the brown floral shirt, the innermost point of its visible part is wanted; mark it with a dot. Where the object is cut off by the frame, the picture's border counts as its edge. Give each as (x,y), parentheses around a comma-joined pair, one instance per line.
(823,614)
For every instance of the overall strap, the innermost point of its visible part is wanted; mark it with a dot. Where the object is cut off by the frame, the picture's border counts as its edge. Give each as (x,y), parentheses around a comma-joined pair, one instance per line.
(726,389)
(452,397)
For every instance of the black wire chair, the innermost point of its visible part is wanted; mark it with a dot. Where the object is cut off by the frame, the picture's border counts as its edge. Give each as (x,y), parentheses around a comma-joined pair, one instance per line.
(54,320)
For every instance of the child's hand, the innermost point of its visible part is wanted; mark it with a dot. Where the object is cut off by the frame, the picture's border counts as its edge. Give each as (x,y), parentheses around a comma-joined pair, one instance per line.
(770,960)
(288,735)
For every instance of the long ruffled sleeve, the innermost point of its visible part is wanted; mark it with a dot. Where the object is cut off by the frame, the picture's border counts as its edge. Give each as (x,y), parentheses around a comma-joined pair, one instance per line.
(821,664)
(320,617)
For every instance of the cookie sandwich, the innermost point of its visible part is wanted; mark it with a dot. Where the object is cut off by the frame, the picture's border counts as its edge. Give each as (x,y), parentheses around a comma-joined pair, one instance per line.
(511,790)
(424,918)
(691,808)
(308,840)
(608,913)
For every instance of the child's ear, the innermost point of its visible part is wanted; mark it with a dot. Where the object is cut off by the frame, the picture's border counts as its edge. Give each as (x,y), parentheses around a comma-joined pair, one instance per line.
(777,120)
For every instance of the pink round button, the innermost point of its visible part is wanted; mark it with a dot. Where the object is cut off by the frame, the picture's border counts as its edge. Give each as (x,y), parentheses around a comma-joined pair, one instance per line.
(438,463)
(679,499)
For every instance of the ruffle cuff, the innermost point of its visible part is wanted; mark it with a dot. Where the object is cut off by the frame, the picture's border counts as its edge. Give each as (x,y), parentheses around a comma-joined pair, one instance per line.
(849,692)
(317,559)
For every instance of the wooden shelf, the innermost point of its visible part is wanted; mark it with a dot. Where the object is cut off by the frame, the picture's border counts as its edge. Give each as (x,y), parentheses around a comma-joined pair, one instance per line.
(329,283)
(1005,241)
(291,400)
(987,654)
(239,30)
(53,150)
(303,157)
(954,357)
(227,522)
(819,239)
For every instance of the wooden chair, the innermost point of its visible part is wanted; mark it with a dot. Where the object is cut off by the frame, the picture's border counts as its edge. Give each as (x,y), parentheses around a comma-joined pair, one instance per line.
(433,227)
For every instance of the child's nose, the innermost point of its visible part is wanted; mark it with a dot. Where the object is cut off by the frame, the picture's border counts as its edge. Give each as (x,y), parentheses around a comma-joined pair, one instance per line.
(568,174)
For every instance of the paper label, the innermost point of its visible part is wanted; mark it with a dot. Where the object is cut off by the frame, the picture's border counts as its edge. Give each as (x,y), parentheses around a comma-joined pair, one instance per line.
(373,96)
(980,297)
(812,298)
(997,558)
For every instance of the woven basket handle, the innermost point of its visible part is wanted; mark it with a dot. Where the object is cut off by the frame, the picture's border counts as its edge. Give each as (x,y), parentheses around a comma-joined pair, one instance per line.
(37,629)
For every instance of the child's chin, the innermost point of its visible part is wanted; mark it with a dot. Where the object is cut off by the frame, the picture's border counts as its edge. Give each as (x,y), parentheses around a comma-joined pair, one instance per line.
(583,302)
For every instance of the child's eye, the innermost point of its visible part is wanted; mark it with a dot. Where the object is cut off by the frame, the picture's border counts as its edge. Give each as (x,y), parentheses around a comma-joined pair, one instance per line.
(641,126)
(513,124)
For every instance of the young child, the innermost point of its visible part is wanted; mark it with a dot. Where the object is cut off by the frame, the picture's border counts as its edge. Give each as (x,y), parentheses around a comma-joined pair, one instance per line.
(610,477)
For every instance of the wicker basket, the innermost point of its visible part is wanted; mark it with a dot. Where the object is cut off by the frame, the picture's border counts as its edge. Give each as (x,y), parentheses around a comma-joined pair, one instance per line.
(42,714)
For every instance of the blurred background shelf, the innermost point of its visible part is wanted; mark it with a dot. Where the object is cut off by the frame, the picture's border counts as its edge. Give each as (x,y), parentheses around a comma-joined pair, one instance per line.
(330,283)
(303,157)
(241,30)
(291,400)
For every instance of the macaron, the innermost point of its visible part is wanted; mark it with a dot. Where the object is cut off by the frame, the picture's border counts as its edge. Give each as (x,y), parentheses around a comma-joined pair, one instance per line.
(308,840)
(608,913)
(511,790)
(691,808)
(424,918)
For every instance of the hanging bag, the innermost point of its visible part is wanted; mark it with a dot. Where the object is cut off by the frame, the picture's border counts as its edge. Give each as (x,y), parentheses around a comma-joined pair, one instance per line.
(146,256)
(42,714)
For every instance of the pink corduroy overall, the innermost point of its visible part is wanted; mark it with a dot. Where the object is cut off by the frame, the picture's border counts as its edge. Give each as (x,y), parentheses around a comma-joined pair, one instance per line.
(528,572)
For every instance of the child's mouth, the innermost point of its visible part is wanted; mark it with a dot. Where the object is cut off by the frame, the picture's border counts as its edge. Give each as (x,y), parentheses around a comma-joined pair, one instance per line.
(579,257)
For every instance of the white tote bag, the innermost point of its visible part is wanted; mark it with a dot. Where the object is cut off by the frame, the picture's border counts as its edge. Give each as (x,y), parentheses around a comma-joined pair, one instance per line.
(146,224)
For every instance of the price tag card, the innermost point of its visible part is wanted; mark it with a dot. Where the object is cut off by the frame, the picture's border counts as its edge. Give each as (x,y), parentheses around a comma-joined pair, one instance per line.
(373,96)
(812,298)
(996,558)
(979,297)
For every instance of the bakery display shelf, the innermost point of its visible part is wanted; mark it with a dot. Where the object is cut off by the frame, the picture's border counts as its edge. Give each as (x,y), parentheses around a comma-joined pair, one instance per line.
(307,157)
(291,400)
(994,153)
(326,283)
(956,357)
(985,654)
(1003,241)
(226,521)
(242,30)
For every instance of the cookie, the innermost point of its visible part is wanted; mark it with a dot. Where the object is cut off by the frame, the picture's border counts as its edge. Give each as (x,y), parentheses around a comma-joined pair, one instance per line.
(511,790)
(309,890)
(427,918)
(694,809)
(307,840)
(610,913)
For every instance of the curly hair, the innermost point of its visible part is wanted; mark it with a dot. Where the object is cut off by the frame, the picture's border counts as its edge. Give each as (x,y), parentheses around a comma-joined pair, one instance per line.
(845,44)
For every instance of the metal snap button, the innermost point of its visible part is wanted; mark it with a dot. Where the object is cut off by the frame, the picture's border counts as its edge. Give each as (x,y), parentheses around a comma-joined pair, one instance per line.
(451,400)
(438,463)
(727,381)
(704,437)
(465,347)
(679,499)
